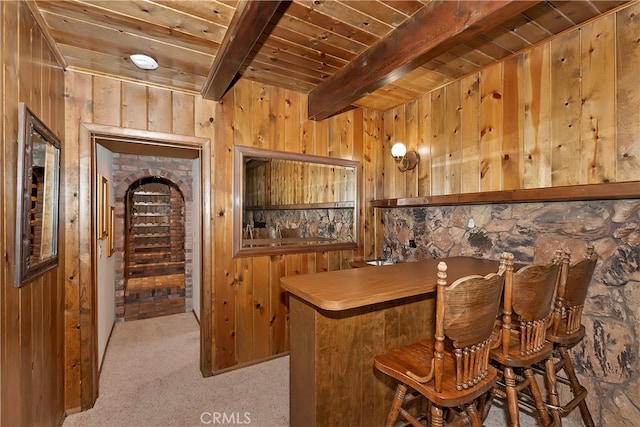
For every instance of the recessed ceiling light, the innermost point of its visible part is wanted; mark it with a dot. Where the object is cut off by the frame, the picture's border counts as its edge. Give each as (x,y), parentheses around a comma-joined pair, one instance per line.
(143,62)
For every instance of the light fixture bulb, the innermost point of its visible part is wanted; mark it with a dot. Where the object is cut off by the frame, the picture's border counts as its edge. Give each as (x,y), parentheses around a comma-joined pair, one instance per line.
(143,62)
(398,150)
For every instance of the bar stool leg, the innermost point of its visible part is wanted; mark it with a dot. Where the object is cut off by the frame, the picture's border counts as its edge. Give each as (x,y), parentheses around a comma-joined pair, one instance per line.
(437,418)
(398,399)
(472,413)
(512,396)
(575,386)
(552,389)
(537,397)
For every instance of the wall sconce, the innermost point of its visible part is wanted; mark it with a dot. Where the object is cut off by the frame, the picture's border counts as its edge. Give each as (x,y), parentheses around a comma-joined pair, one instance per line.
(406,160)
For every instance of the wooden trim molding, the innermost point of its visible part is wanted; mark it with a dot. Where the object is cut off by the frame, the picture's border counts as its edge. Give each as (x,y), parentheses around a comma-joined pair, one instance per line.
(608,191)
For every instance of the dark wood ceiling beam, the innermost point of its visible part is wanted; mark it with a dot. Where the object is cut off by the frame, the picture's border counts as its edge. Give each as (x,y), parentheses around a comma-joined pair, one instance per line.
(246,27)
(433,30)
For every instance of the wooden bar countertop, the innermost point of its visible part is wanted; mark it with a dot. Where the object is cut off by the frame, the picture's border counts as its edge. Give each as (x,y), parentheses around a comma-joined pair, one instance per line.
(358,287)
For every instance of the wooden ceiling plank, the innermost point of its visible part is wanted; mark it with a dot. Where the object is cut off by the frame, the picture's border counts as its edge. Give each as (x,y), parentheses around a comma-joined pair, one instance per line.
(284,57)
(117,68)
(316,33)
(548,17)
(527,29)
(408,7)
(382,100)
(157,14)
(319,45)
(210,10)
(485,45)
(380,11)
(276,44)
(430,32)
(75,53)
(458,66)
(422,80)
(506,38)
(474,56)
(315,17)
(169,59)
(246,27)
(123,44)
(85,14)
(577,12)
(270,61)
(258,65)
(342,12)
(606,5)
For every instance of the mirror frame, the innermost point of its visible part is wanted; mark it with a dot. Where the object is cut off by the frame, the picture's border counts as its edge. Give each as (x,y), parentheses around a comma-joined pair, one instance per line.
(240,153)
(28,124)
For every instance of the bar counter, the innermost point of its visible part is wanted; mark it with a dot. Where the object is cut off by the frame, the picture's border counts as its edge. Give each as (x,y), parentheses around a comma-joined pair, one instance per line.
(340,320)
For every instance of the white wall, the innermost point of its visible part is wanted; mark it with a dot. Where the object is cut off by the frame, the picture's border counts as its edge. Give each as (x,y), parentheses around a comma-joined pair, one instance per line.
(197,238)
(106,264)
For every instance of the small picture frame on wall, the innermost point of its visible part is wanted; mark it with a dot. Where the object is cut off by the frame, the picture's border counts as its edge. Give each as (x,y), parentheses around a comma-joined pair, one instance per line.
(103,207)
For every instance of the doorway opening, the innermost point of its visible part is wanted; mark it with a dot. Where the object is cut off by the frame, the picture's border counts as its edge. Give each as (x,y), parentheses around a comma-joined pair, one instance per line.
(111,141)
(155,245)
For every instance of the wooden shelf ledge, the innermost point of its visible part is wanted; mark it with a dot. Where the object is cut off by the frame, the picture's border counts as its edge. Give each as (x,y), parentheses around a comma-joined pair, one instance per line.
(609,191)
(307,206)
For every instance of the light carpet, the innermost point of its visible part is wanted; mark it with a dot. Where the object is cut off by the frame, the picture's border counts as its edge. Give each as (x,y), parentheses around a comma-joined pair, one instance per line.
(151,377)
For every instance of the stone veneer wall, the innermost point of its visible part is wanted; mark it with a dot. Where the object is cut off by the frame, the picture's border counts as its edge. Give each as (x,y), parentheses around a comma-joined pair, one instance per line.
(328,223)
(607,360)
(129,168)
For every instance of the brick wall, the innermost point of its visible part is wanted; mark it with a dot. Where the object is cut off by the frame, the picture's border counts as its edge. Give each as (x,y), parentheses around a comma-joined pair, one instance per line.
(129,168)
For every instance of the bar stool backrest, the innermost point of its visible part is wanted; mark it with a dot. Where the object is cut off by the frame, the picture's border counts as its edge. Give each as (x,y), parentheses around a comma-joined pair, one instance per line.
(528,304)
(572,292)
(465,313)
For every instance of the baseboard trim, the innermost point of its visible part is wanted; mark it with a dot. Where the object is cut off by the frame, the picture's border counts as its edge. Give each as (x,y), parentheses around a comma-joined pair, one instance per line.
(253,362)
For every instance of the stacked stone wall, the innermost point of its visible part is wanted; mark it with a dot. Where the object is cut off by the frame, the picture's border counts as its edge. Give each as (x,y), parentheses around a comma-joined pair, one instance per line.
(607,360)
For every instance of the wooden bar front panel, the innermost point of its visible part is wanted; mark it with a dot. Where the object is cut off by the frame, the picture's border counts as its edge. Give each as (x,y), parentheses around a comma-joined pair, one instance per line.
(333,381)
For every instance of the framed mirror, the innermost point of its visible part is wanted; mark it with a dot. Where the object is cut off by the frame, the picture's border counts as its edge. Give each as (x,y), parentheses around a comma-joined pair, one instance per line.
(37,201)
(287,202)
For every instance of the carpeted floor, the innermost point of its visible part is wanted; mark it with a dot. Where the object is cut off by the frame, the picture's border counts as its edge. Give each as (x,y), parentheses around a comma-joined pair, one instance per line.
(151,377)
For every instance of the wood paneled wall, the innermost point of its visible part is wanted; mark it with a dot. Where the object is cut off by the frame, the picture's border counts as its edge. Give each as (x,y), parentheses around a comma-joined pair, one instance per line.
(248,297)
(563,113)
(249,315)
(31,317)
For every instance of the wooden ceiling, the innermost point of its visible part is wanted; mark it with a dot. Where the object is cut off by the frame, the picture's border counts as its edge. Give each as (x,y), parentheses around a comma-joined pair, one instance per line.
(376,54)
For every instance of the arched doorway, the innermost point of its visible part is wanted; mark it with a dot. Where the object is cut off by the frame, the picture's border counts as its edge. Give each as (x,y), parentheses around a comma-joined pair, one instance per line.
(154,255)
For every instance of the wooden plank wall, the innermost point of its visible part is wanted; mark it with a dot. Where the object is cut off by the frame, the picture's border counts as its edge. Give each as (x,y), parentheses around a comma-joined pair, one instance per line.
(284,182)
(249,310)
(563,113)
(248,298)
(31,317)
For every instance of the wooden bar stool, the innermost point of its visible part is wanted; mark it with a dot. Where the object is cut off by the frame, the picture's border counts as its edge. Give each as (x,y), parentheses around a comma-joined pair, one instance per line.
(453,370)
(567,330)
(527,307)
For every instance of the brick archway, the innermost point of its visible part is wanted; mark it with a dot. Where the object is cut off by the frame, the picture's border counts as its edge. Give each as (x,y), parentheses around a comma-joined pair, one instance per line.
(122,185)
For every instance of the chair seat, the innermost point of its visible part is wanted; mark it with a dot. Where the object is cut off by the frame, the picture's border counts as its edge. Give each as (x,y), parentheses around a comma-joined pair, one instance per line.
(417,359)
(516,360)
(564,339)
